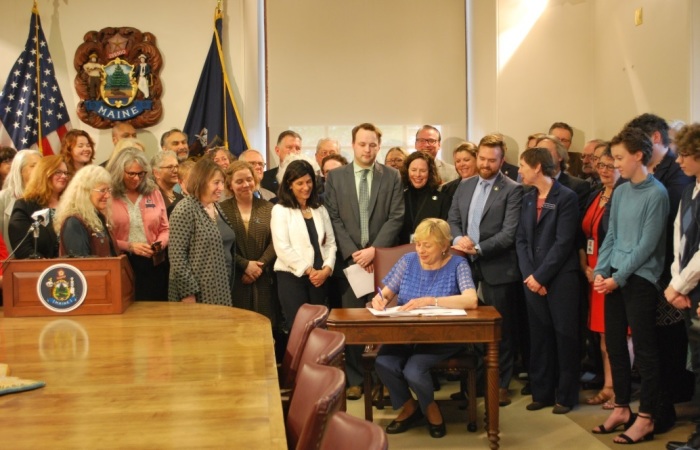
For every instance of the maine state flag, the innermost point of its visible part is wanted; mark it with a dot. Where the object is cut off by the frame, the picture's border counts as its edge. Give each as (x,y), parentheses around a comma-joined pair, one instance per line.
(213,120)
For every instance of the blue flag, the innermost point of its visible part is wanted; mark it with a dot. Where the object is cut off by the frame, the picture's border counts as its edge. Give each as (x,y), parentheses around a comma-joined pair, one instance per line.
(213,120)
(32,111)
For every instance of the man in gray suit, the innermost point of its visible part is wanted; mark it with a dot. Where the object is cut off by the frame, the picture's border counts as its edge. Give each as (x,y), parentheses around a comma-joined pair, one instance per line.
(483,220)
(428,140)
(365,203)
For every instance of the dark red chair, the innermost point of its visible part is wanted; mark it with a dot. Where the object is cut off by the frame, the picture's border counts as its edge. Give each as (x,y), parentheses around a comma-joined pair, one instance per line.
(463,364)
(317,395)
(345,432)
(308,317)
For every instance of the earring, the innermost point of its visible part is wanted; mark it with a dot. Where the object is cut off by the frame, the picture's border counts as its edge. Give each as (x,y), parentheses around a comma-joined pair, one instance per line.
(444,253)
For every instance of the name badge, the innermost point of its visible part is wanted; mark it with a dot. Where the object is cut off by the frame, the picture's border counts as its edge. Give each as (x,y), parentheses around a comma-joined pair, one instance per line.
(590,246)
(149,203)
(546,205)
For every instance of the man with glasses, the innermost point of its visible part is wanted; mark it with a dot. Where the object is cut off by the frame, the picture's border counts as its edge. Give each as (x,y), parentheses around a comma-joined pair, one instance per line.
(255,159)
(325,147)
(565,133)
(165,168)
(589,161)
(428,141)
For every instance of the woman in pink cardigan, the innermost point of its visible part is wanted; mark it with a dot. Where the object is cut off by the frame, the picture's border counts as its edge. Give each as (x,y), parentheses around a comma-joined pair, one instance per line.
(140,223)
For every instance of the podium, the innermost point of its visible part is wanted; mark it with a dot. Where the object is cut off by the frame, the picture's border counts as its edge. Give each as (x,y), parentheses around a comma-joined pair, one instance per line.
(110,286)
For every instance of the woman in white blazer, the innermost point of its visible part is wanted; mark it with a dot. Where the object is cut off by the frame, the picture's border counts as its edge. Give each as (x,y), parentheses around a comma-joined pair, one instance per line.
(302,235)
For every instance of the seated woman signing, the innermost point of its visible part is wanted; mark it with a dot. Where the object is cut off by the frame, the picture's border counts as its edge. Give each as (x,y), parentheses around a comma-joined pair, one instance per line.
(429,277)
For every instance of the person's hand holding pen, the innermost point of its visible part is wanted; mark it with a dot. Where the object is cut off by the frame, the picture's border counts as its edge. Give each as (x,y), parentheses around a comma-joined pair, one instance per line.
(378,301)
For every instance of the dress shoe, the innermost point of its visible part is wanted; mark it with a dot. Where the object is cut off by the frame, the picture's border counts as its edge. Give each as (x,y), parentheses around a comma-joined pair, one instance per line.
(692,442)
(560,409)
(354,393)
(536,406)
(526,390)
(399,426)
(503,397)
(437,431)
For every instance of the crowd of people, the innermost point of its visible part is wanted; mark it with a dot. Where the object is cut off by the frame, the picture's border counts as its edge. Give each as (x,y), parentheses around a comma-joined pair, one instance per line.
(591,258)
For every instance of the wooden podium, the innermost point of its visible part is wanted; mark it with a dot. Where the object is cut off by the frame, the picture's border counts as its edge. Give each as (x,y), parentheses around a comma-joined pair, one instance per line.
(110,286)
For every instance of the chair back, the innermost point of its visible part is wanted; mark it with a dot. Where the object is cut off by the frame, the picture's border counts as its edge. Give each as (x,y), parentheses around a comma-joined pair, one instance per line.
(308,317)
(386,257)
(345,432)
(317,395)
(323,347)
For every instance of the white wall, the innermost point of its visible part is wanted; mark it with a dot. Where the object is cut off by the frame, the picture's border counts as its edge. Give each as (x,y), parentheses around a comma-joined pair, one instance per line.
(183,30)
(583,62)
(398,64)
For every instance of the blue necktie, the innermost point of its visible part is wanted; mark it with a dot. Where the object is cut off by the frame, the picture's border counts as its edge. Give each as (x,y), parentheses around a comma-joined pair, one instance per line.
(475,219)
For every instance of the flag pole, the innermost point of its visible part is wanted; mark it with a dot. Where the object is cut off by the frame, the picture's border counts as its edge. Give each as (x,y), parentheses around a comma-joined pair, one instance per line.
(219,15)
(35,11)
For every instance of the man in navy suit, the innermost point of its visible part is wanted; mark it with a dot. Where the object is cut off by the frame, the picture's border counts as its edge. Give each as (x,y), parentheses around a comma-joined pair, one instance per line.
(359,229)
(483,220)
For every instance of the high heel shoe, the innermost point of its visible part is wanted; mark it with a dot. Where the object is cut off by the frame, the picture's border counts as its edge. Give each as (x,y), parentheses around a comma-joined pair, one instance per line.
(647,437)
(602,430)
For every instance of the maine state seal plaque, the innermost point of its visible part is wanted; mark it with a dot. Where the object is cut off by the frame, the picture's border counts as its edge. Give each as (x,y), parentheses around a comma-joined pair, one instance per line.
(61,288)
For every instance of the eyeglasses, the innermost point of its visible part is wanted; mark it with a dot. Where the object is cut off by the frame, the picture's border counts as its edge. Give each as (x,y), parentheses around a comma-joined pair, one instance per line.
(171,168)
(257,164)
(104,191)
(60,173)
(426,141)
(601,166)
(395,161)
(135,174)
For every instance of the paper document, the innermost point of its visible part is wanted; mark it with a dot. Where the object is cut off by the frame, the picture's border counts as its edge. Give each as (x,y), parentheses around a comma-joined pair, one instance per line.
(425,311)
(361,281)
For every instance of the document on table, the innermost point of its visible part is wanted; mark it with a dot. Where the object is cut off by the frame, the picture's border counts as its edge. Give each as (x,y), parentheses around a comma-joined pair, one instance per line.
(425,311)
(361,281)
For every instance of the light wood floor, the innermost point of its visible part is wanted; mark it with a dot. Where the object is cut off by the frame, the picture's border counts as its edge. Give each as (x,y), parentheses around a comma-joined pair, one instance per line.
(522,429)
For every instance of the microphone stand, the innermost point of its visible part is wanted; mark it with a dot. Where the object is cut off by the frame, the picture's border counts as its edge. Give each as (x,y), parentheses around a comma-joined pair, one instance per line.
(32,228)
(35,227)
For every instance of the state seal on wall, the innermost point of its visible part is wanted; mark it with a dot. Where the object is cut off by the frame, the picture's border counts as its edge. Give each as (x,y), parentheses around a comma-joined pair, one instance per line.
(118,78)
(61,288)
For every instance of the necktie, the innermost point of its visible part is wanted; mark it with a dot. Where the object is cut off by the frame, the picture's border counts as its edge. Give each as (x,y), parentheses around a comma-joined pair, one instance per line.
(475,219)
(256,194)
(364,209)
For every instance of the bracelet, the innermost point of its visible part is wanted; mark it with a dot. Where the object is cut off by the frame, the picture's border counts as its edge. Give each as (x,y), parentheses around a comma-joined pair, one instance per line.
(435,301)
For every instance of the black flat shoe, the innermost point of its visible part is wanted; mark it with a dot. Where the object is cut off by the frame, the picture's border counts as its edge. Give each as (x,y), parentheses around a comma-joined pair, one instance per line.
(536,406)
(437,431)
(399,426)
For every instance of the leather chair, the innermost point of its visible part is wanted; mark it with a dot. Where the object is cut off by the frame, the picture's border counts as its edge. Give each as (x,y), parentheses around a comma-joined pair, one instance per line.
(345,432)
(323,347)
(317,396)
(463,364)
(308,317)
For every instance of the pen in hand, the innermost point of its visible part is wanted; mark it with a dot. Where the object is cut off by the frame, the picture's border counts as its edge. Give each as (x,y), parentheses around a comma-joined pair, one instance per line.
(381,296)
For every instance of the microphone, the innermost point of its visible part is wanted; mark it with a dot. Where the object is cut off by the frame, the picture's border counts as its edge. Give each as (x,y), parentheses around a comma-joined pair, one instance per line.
(41,216)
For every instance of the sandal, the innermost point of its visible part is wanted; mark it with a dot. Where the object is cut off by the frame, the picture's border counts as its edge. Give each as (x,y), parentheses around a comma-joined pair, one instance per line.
(603,396)
(628,440)
(602,430)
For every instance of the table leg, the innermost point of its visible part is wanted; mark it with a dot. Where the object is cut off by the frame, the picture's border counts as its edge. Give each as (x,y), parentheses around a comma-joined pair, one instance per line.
(492,385)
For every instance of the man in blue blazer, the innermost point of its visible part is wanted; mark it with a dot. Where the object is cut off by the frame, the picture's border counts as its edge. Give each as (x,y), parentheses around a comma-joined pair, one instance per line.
(488,236)
(384,219)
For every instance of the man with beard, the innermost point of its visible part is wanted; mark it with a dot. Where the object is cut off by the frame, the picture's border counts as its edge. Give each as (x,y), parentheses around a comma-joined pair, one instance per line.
(588,161)
(483,220)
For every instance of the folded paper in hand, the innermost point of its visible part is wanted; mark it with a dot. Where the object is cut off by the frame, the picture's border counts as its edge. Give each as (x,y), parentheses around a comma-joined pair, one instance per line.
(361,281)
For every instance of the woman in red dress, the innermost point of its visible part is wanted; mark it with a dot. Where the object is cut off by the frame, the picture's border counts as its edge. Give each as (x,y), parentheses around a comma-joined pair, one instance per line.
(595,225)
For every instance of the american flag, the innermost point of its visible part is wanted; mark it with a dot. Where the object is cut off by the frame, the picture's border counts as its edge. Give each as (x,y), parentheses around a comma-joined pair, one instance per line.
(32,111)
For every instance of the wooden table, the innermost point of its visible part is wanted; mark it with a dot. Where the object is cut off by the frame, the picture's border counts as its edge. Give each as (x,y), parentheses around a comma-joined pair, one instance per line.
(482,325)
(161,375)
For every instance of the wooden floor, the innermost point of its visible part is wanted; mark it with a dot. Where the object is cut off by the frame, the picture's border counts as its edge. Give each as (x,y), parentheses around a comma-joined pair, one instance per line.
(522,429)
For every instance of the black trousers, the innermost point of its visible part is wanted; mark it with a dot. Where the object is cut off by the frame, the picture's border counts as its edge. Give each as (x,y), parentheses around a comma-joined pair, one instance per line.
(294,291)
(554,341)
(151,281)
(633,305)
